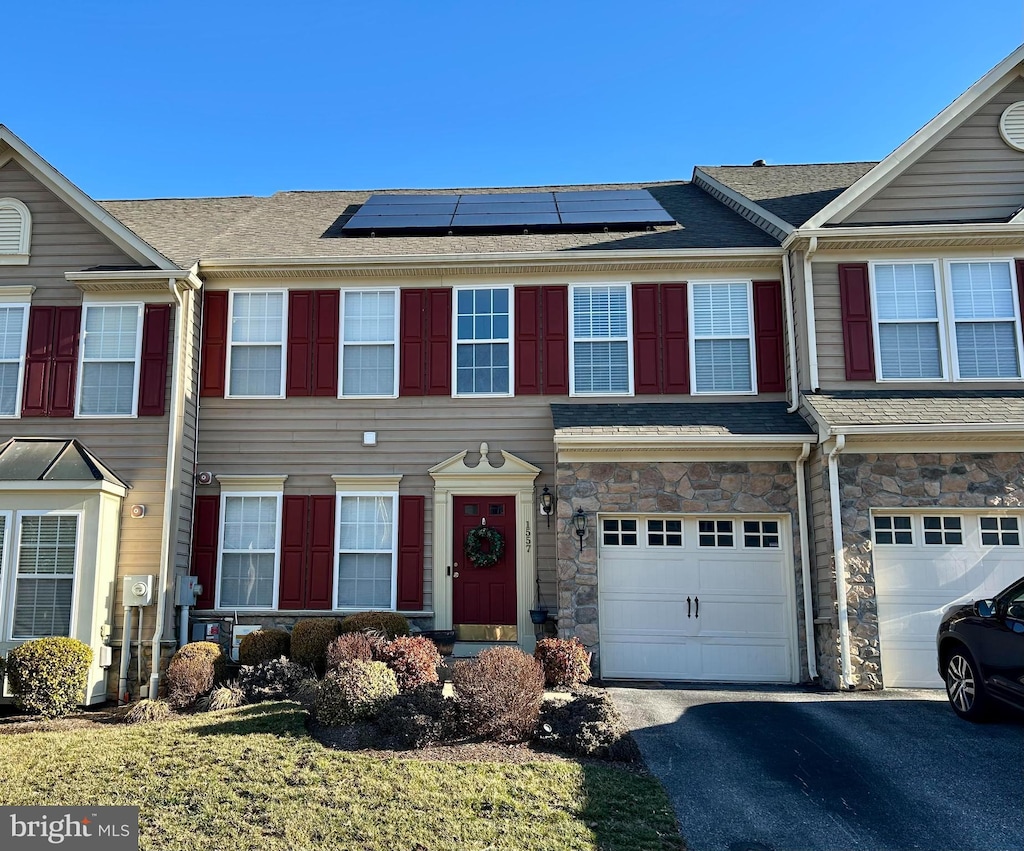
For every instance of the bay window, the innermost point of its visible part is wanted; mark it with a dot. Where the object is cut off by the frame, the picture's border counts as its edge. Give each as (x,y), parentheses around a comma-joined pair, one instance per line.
(44,573)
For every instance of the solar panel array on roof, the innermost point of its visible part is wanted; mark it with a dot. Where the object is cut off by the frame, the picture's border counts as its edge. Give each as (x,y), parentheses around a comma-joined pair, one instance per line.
(508,212)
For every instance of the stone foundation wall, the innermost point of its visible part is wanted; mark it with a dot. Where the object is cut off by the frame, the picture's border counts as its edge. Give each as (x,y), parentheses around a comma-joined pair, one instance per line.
(921,480)
(651,487)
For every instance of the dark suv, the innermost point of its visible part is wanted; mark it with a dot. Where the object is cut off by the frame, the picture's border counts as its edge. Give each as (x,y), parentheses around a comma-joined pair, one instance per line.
(981,653)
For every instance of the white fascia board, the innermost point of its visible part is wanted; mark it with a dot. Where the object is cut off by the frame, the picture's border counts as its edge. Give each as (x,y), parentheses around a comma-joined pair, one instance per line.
(63,486)
(700,176)
(909,231)
(81,203)
(855,196)
(186,279)
(948,429)
(672,441)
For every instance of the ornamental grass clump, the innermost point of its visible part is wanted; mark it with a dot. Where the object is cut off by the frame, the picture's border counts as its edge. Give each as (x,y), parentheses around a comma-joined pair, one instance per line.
(356,690)
(389,624)
(274,679)
(566,662)
(147,711)
(193,671)
(310,640)
(227,696)
(264,644)
(414,661)
(48,676)
(499,694)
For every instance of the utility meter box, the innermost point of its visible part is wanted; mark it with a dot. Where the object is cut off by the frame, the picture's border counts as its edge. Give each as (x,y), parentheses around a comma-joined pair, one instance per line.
(187,590)
(138,590)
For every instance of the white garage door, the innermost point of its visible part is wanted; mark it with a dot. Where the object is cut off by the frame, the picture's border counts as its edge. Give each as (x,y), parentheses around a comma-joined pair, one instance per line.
(696,598)
(923,563)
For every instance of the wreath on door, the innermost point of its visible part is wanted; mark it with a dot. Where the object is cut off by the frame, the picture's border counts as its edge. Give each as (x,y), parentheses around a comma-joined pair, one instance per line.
(484,546)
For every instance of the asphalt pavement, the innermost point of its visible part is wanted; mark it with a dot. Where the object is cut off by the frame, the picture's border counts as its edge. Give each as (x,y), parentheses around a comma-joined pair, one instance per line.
(791,769)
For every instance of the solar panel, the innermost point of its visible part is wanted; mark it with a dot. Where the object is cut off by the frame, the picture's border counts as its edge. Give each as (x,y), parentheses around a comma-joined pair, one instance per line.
(508,212)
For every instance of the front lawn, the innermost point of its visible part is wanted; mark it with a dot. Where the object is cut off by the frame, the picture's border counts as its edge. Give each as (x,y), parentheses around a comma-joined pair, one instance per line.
(252,778)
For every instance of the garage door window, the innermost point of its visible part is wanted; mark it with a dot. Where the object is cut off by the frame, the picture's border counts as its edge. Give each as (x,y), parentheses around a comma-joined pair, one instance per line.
(943,530)
(715,533)
(1000,532)
(760,534)
(619,533)
(664,533)
(891,529)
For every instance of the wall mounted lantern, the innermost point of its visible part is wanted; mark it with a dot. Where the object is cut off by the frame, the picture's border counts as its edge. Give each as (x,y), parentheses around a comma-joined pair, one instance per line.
(579,522)
(547,504)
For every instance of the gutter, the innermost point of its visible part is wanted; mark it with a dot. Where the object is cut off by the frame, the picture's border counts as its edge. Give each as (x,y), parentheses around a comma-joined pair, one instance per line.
(787,292)
(812,333)
(805,562)
(840,562)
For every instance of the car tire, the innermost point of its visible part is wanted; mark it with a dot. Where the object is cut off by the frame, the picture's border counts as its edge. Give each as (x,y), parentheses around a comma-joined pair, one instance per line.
(964,687)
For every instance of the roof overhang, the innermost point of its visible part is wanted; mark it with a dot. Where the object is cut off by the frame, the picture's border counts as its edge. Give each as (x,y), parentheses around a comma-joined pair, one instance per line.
(750,210)
(131,280)
(882,237)
(624,445)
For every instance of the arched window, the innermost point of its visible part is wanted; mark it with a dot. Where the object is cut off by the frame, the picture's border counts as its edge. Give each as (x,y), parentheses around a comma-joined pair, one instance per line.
(15,231)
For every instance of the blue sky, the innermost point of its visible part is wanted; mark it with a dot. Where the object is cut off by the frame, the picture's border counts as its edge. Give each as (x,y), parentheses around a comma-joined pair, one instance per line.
(223,98)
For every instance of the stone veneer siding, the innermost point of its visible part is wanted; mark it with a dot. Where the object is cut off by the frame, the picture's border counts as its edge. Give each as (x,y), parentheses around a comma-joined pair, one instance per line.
(924,480)
(719,487)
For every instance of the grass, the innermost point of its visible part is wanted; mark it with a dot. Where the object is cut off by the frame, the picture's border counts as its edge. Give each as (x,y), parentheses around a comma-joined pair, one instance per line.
(252,778)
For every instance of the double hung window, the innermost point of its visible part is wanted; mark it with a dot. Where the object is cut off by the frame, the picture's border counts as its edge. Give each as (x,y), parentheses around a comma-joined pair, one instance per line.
(369,329)
(722,323)
(482,342)
(909,332)
(367,547)
(13,337)
(985,324)
(111,349)
(256,344)
(44,573)
(249,555)
(602,357)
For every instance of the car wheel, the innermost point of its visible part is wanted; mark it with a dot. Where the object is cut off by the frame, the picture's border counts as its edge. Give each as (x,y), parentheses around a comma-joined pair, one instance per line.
(964,687)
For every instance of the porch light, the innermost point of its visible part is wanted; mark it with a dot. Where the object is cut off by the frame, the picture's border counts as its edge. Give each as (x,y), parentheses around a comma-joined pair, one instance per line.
(547,504)
(579,522)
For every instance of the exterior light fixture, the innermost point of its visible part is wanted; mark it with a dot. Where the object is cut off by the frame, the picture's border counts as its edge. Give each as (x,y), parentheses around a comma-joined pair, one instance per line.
(579,522)
(547,504)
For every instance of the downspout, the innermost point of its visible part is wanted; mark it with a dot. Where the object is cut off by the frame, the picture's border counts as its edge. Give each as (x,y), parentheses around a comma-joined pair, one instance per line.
(805,562)
(787,285)
(126,653)
(812,334)
(840,559)
(170,490)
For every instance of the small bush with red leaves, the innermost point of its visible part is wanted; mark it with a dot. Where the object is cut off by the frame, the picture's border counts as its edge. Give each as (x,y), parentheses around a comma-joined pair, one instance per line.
(389,624)
(499,694)
(566,662)
(263,645)
(310,640)
(193,671)
(414,661)
(354,647)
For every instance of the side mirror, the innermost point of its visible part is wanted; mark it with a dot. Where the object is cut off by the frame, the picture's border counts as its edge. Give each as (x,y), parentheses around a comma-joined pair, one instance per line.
(986,608)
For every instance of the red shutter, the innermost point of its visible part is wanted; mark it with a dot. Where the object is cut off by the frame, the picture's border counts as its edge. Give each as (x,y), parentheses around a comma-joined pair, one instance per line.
(67,327)
(299,374)
(156,327)
(410,552)
(555,330)
(38,365)
(205,535)
(413,347)
(320,576)
(527,341)
(855,302)
(439,342)
(326,315)
(646,354)
(769,338)
(294,523)
(675,338)
(215,344)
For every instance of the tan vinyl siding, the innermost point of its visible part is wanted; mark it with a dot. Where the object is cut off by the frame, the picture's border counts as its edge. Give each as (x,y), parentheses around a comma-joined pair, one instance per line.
(971,175)
(190,432)
(822,566)
(796,270)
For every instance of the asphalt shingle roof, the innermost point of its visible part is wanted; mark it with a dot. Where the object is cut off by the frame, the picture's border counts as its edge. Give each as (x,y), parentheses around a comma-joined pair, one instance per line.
(308,224)
(794,193)
(936,407)
(688,418)
(51,460)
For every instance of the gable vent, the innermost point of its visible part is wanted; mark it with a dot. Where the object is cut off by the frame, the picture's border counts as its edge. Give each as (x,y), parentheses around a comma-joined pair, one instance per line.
(1011,125)
(10,231)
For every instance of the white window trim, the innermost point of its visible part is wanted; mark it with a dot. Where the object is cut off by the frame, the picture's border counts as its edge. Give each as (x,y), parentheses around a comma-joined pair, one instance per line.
(22,255)
(630,391)
(509,341)
(342,344)
(81,362)
(940,320)
(347,490)
(735,535)
(284,343)
(6,572)
(279,496)
(952,320)
(692,343)
(22,358)
(11,555)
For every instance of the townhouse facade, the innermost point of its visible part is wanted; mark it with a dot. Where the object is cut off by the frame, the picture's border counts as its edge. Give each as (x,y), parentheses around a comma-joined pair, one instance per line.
(757,426)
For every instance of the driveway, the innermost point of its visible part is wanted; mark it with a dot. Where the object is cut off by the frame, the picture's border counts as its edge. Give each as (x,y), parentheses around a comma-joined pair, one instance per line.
(788,769)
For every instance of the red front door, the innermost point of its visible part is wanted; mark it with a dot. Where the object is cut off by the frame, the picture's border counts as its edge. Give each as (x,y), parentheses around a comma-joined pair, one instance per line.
(484,595)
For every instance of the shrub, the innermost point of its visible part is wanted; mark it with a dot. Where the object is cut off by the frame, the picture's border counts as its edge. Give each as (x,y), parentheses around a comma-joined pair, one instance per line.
(48,676)
(418,718)
(270,680)
(310,640)
(227,696)
(414,661)
(262,645)
(146,711)
(588,725)
(566,662)
(193,671)
(353,647)
(499,694)
(355,690)
(306,693)
(390,624)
